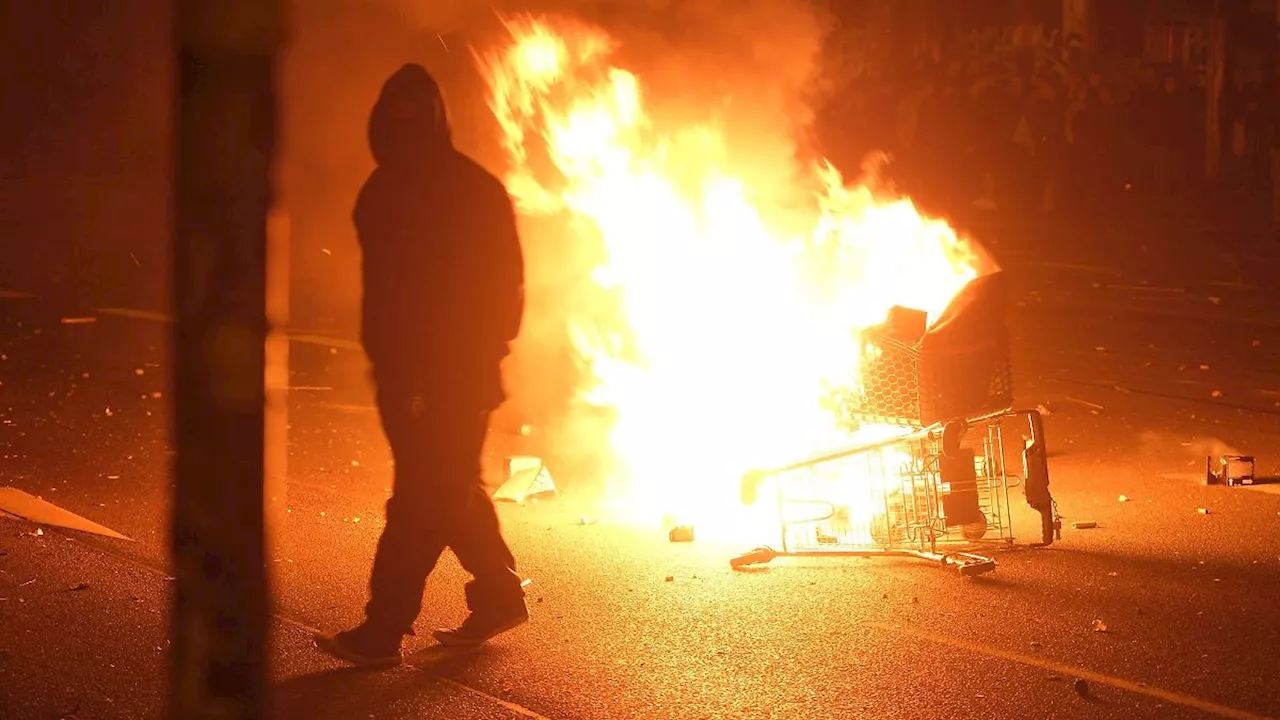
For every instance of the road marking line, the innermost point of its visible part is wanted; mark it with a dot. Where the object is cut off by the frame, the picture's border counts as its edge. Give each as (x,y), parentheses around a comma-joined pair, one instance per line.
(1236,285)
(309,338)
(136,314)
(326,341)
(347,407)
(1146,288)
(1168,696)
(1074,266)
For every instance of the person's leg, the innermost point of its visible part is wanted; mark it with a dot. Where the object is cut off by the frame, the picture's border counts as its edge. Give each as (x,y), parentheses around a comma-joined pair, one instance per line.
(483,552)
(410,545)
(465,511)
(494,597)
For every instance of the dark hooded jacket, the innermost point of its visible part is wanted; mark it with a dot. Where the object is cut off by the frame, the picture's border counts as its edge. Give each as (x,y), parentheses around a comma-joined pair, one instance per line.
(442,266)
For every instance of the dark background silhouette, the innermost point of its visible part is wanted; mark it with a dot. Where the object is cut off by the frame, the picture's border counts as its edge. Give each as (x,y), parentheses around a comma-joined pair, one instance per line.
(991,114)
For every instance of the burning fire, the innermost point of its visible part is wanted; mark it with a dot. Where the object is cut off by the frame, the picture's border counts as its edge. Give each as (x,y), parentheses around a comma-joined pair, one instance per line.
(716,338)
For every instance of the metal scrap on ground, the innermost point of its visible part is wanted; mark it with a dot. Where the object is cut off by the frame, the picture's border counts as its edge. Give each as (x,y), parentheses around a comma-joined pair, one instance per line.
(33,509)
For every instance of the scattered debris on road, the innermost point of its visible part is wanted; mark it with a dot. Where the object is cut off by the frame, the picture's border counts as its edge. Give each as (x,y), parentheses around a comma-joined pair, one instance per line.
(1081,686)
(1099,626)
(681,533)
(78,587)
(1124,498)
(585,520)
(1092,406)
(1083,525)
(1232,470)
(527,478)
(1203,511)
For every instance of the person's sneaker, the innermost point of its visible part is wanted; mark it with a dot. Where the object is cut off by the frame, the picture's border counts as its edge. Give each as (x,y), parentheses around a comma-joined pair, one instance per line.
(361,647)
(484,625)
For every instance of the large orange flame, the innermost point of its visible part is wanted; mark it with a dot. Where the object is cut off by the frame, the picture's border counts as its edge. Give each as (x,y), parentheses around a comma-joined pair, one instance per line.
(717,338)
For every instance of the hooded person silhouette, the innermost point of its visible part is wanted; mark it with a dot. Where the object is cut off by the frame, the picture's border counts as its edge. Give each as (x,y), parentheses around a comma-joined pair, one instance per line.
(443,279)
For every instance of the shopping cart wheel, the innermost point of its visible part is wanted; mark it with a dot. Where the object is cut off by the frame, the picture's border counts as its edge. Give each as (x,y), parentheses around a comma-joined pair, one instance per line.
(759,556)
(974,531)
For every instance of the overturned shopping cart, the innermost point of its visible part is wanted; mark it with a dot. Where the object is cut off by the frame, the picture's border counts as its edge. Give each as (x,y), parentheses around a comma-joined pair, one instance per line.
(936,483)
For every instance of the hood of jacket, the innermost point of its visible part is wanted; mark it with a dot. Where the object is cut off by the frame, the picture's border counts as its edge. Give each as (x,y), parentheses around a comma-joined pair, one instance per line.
(410,121)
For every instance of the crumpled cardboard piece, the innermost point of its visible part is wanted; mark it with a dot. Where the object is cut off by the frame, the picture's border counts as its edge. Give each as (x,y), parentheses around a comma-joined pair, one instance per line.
(527,478)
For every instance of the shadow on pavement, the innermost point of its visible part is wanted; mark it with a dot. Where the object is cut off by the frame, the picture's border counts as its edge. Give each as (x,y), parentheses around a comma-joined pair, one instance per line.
(347,693)
(441,660)
(340,693)
(418,688)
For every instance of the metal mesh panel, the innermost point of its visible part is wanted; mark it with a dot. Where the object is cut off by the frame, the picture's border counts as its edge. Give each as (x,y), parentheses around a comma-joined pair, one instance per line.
(890,391)
(900,385)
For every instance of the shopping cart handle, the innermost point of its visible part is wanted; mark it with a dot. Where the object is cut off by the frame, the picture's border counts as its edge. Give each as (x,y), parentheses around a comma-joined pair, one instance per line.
(1035,472)
(1035,424)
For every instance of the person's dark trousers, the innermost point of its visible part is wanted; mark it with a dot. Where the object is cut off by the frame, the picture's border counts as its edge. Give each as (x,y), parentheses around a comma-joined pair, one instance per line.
(438,500)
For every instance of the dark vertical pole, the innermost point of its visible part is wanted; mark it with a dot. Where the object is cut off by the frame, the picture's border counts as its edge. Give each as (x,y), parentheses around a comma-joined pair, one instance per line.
(225,147)
(276,427)
(1213,95)
(1274,106)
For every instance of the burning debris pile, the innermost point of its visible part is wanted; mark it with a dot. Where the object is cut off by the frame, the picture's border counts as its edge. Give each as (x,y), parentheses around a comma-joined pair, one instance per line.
(722,326)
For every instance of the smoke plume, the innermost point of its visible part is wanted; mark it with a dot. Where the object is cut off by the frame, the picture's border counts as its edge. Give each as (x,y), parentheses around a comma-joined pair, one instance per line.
(750,62)
(746,66)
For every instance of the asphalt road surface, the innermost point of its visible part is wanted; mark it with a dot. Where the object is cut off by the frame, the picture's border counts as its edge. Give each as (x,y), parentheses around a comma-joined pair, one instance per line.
(1146,361)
